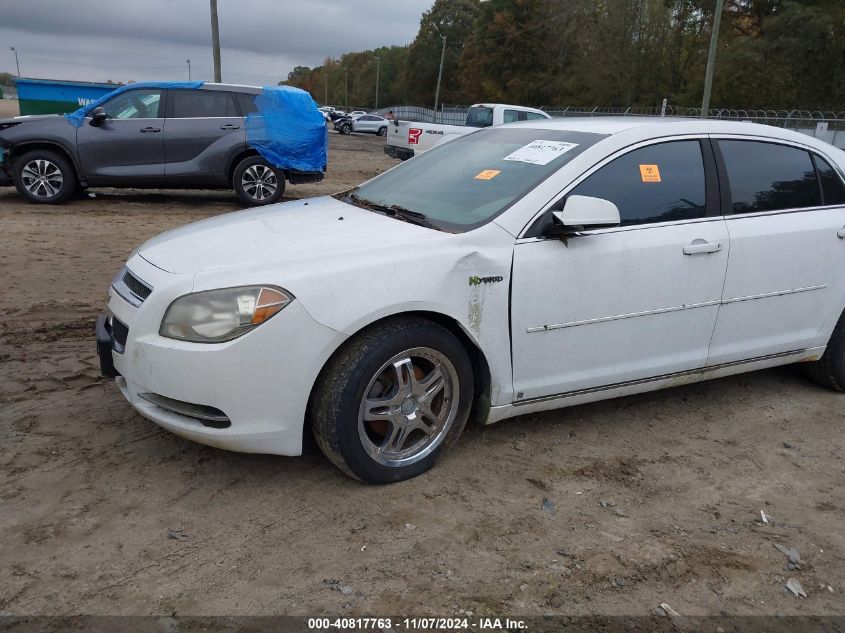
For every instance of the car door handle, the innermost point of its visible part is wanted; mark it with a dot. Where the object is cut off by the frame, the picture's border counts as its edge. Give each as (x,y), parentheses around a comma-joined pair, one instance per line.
(841,233)
(229,126)
(144,130)
(700,247)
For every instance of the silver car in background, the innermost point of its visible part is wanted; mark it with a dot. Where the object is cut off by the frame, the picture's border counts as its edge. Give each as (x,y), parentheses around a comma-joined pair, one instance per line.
(371,123)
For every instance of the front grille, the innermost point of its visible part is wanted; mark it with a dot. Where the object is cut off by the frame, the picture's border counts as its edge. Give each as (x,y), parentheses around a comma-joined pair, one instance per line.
(119,332)
(136,286)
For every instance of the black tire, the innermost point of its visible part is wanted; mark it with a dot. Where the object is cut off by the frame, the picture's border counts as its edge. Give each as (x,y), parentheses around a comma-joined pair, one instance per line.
(346,129)
(338,398)
(829,370)
(44,176)
(252,179)
(382,131)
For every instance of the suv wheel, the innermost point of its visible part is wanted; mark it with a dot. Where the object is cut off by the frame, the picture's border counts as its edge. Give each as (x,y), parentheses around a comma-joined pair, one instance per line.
(257,182)
(829,370)
(44,176)
(392,400)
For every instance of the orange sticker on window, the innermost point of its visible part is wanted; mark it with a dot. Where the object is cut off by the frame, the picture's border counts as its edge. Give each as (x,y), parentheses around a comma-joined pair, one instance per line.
(650,173)
(488,174)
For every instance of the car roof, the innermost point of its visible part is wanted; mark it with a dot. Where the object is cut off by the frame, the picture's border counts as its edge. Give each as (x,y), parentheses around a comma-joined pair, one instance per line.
(653,127)
(231,88)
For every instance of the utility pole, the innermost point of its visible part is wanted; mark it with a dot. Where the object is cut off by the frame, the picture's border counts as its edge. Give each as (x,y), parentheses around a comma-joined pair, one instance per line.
(711,59)
(326,102)
(378,68)
(346,89)
(189,69)
(12,48)
(439,77)
(215,42)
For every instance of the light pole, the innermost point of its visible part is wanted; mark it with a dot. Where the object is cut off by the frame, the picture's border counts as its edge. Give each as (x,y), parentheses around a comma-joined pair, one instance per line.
(439,77)
(326,102)
(711,60)
(12,48)
(215,42)
(188,61)
(346,89)
(378,68)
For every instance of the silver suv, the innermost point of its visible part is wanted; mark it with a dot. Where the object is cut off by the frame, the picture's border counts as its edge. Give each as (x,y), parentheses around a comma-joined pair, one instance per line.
(145,137)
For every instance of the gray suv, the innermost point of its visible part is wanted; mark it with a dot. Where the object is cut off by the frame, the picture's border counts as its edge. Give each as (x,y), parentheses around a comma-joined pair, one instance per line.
(145,137)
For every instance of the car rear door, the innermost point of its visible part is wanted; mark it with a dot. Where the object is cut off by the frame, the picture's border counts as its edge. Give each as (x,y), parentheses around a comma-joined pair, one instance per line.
(128,147)
(202,132)
(630,303)
(784,288)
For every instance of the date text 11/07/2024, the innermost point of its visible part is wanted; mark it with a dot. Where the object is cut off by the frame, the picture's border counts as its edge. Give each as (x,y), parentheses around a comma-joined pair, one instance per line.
(416,624)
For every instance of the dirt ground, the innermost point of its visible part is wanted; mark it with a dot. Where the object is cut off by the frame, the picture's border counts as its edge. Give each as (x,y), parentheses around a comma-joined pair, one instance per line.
(653,498)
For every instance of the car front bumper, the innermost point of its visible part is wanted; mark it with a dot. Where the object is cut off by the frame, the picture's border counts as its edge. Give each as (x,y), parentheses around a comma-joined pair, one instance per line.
(259,382)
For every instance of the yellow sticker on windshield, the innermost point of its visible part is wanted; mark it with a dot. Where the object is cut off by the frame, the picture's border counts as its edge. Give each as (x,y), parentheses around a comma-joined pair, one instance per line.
(650,173)
(488,174)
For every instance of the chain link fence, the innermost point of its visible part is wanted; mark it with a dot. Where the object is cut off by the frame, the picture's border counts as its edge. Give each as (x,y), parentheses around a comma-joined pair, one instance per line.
(828,126)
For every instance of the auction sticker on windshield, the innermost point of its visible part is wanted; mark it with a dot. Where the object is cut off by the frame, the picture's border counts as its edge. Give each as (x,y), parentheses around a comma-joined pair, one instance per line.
(540,152)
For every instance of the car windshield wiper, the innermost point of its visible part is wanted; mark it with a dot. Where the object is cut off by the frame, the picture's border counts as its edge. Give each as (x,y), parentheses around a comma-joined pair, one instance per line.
(394,210)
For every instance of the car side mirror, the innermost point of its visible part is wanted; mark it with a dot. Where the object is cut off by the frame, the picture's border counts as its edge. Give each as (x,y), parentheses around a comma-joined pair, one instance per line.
(98,115)
(582,211)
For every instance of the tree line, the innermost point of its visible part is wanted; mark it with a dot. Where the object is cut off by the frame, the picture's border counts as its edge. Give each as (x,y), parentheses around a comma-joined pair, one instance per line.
(772,54)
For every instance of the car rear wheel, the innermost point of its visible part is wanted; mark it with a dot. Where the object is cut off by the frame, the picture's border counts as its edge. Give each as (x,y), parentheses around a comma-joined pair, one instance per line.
(257,182)
(382,131)
(44,176)
(390,402)
(829,370)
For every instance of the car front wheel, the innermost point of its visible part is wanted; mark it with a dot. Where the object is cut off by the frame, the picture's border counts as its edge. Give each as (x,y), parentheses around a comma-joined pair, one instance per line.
(44,176)
(257,182)
(389,403)
(346,129)
(382,131)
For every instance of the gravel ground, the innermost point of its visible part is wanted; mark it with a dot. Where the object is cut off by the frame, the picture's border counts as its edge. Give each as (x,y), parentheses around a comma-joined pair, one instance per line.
(648,499)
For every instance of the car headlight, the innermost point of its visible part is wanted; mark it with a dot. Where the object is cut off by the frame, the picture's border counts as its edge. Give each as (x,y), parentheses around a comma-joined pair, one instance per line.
(215,316)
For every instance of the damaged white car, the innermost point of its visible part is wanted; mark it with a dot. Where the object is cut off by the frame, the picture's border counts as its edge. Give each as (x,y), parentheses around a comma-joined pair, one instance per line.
(517,269)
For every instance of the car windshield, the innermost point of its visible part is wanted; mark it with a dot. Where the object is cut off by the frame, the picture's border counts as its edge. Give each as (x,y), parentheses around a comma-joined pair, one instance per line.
(479,116)
(465,183)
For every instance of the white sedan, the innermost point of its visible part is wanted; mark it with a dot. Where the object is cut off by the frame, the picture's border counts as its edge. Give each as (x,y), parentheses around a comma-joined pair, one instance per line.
(516,269)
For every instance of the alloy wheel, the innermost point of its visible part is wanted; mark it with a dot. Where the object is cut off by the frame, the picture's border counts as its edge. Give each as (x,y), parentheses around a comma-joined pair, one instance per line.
(408,407)
(259,182)
(42,178)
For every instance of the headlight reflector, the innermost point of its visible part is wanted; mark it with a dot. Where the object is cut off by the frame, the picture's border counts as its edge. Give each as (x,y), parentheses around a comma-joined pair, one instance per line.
(216,316)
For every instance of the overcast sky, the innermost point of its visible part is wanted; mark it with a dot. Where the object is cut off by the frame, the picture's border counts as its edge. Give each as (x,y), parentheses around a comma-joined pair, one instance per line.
(261,40)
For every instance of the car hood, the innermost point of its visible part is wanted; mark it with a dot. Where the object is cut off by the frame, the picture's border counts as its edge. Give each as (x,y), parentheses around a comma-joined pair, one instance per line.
(317,229)
(13,120)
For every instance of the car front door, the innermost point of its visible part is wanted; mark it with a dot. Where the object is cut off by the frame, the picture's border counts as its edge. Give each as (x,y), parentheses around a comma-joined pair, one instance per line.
(786,216)
(128,147)
(630,303)
(202,132)
(364,123)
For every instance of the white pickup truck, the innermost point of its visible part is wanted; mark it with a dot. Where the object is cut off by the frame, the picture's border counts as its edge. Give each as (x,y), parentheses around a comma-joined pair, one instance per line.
(406,139)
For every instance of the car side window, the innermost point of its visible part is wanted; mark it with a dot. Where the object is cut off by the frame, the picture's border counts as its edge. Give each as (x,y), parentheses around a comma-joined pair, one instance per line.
(533,116)
(769,177)
(833,190)
(510,116)
(246,102)
(657,183)
(202,103)
(134,104)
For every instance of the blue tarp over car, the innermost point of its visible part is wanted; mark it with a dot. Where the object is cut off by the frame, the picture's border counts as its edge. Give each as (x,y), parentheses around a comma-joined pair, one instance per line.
(288,130)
